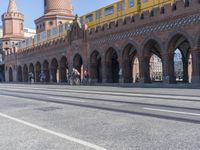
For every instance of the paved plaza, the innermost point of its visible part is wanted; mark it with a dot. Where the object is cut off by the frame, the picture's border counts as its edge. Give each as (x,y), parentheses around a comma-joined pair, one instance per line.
(60,117)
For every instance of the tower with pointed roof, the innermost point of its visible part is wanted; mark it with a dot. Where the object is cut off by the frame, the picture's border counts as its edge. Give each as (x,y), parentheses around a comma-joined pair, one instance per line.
(13,25)
(56,12)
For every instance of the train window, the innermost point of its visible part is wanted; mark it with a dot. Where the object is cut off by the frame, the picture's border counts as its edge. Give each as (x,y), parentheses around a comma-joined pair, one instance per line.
(89,18)
(144,1)
(98,15)
(118,6)
(130,3)
(123,5)
(109,10)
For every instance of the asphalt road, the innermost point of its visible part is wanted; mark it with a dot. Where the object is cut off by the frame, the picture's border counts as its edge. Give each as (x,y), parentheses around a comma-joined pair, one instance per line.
(59,117)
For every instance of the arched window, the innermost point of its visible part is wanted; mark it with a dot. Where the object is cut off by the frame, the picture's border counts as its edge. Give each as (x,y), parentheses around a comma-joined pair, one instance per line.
(178,65)
(45,3)
(156,69)
(22,26)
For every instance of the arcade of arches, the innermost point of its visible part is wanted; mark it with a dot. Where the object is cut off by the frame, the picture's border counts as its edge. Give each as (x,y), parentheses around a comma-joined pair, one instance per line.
(153,63)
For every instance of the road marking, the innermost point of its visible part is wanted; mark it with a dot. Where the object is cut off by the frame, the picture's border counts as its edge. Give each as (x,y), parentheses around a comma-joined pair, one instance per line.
(197,98)
(69,138)
(62,98)
(172,111)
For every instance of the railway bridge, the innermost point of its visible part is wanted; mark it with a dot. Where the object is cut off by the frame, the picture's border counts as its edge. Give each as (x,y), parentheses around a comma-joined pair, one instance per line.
(127,50)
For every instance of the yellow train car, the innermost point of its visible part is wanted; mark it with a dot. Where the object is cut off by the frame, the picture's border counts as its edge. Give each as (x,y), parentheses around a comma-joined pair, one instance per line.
(120,9)
(150,4)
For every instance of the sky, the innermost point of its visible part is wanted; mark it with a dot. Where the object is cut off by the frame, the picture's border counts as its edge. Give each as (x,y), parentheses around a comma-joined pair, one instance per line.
(33,9)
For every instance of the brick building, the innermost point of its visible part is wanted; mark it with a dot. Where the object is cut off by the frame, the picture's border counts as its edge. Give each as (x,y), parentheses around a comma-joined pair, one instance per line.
(117,51)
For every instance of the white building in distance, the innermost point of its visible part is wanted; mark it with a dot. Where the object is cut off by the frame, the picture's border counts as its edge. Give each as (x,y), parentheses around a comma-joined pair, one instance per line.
(27,32)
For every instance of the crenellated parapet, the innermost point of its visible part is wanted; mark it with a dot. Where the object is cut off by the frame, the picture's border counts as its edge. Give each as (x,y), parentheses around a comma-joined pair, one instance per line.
(15,15)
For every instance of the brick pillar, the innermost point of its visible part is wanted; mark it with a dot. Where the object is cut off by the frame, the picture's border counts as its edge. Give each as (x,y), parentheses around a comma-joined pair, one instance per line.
(50,74)
(165,64)
(6,75)
(15,73)
(58,74)
(185,70)
(127,72)
(141,66)
(121,80)
(104,73)
(108,72)
(170,59)
(195,66)
(144,70)
(22,75)
(35,74)
(93,72)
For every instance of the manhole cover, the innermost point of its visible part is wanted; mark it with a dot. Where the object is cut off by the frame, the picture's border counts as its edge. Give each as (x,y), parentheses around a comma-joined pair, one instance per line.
(48,108)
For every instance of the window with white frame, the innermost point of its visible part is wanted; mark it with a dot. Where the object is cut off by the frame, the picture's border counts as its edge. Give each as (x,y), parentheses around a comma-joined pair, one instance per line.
(98,15)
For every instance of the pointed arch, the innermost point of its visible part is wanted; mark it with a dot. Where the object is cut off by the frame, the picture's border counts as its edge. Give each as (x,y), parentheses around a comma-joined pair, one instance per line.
(96,66)
(112,66)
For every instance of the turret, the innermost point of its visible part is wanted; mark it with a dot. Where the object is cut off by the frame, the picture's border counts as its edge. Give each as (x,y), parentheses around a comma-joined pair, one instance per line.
(13,25)
(56,12)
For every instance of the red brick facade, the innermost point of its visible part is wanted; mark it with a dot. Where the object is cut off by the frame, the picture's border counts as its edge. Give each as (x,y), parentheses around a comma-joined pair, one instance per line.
(109,50)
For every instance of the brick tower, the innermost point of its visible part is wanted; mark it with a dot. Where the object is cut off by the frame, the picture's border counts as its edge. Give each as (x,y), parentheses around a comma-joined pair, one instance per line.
(13,25)
(56,12)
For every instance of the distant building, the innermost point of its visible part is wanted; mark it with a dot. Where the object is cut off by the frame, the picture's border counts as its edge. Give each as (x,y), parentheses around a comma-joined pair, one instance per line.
(1,56)
(156,73)
(29,32)
(1,31)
